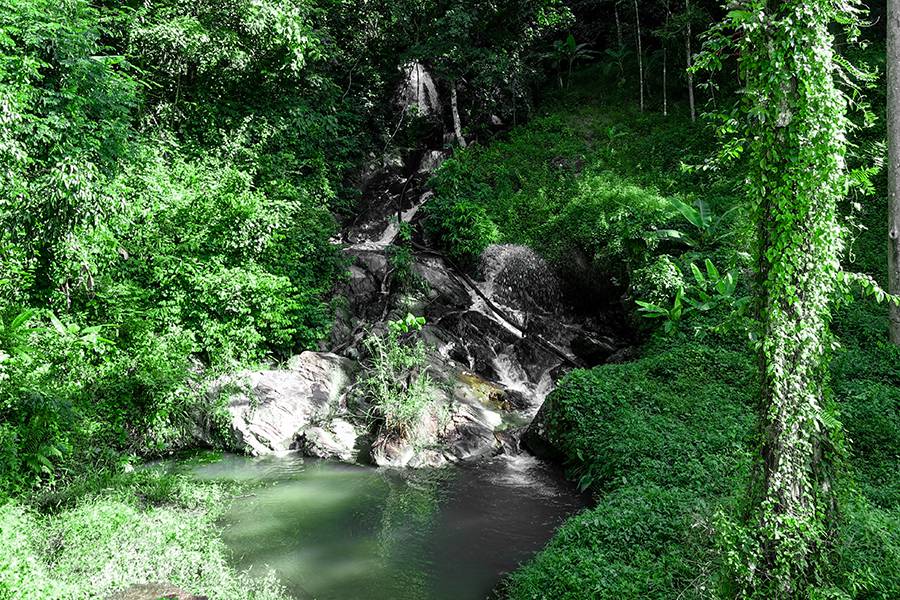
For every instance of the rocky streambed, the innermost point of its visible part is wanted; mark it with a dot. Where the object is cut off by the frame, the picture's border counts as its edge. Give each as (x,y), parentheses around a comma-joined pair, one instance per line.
(498,339)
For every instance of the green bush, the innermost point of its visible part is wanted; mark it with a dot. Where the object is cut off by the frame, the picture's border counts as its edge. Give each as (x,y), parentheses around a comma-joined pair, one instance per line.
(463,228)
(663,444)
(395,380)
(608,221)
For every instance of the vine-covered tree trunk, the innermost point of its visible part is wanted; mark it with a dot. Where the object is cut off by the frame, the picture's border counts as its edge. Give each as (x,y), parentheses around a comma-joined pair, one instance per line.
(893,131)
(796,128)
(687,54)
(640,54)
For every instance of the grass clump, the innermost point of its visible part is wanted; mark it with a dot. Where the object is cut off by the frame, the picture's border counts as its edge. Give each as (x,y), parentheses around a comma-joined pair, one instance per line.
(396,383)
(148,527)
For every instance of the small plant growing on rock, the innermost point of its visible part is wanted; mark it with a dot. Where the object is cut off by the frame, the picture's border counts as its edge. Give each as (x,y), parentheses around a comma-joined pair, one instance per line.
(396,380)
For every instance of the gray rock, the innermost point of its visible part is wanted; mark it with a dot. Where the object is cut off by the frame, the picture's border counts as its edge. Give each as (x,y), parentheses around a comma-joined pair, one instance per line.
(537,438)
(269,408)
(418,91)
(431,161)
(336,440)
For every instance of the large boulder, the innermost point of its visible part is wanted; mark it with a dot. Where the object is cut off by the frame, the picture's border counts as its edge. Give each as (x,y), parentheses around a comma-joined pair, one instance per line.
(537,438)
(268,409)
(457,426)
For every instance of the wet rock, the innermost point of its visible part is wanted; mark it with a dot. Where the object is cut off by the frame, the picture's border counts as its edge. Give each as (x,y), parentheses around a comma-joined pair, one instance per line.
(393,453)
(623,355)
(268,408)
(593,350)
(445,291)
(418,91)
(519,278)
(431,160)
(471,434)
(536,438)
(154,591)
(339,440)
(511,439)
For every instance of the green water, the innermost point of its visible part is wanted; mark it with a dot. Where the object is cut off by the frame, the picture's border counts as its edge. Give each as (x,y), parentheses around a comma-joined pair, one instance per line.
(340,532)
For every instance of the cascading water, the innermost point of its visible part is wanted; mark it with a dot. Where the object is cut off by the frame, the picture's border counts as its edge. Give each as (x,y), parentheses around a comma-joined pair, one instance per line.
(347,532)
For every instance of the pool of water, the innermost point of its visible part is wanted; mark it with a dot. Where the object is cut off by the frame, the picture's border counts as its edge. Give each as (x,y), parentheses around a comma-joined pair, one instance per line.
(340,532)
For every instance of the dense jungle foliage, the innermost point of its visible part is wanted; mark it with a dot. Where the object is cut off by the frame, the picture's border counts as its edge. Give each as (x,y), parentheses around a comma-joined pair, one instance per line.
(174,177)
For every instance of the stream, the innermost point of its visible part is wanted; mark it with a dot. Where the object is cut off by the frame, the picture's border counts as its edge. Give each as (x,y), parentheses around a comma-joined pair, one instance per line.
(471,504)
(334,531)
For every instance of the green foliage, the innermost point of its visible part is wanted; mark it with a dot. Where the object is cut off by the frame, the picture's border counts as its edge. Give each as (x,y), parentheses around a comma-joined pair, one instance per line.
(114,538)
(565,54)
(589,185)
(710,230)
(464,229)
(243,269)
(490,46)
(792,123)
(65,103)
(658,281)
(710,292)
(662,443)
(396,381)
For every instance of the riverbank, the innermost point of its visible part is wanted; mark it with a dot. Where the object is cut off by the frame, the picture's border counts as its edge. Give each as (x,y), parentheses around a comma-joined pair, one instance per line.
(664,443)
(105,534)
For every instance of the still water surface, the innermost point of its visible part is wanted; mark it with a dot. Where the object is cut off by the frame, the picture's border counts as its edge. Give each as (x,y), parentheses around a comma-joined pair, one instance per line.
(340,532)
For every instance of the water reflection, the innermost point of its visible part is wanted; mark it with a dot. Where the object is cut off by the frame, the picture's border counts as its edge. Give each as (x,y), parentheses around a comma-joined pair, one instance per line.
(340,532)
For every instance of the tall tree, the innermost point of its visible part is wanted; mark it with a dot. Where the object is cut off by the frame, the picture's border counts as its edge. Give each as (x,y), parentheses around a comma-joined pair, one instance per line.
(665,58)
(618,25)
(689,59)
(795,125)
(640,54)
(893,130)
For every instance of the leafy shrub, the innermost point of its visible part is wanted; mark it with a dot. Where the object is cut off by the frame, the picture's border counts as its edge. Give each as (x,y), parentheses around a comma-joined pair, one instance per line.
(662,443)
(610,220)
(657,281)
(396,382)
(243,270)
(464,229)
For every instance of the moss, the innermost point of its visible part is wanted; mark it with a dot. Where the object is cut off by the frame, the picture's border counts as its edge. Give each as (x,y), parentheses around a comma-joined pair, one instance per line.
(662,442)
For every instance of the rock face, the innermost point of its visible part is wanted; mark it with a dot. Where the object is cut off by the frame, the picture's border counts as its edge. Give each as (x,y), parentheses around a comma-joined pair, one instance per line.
(304,407)
(497,344)
(520,279)
(337,439)
(419,91)
(455,427)
(268,409)
(154,591)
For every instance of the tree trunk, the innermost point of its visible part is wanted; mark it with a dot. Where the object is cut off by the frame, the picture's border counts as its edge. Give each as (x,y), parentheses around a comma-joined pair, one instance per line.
(664,67)
(788,67)
(893,133)
(689,60)
(454,109)
(640,57)
(618,25)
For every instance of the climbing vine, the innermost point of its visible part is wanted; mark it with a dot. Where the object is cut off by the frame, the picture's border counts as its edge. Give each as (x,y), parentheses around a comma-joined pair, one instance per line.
(793,123)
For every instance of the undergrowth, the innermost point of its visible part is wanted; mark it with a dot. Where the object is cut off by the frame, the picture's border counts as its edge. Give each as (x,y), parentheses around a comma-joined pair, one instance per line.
(115,531)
